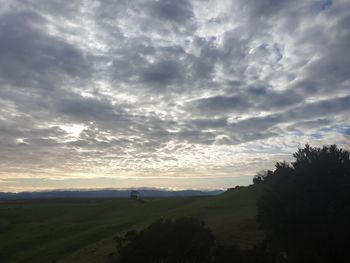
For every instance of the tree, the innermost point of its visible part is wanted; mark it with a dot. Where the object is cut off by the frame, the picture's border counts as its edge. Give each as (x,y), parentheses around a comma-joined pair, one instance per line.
(262,176)
(305,210)
(172,241)
(134,195)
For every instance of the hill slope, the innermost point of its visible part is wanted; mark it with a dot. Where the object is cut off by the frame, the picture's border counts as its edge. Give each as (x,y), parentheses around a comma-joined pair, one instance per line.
(83,230)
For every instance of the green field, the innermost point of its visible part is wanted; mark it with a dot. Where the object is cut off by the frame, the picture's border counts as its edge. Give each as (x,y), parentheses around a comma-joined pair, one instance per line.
(83,230)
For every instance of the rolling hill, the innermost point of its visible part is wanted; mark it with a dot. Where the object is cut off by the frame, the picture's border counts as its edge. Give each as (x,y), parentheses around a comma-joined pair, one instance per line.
(82,230)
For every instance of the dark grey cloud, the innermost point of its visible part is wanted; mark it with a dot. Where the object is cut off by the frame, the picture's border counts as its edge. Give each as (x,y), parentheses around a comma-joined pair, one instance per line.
(162,72)
(310,124)
(85,108)
(174,11)
(257,128)
(209,123)
(306,111)
(247,99)
(204,64)
(30,58)
(221,104)
(264,8)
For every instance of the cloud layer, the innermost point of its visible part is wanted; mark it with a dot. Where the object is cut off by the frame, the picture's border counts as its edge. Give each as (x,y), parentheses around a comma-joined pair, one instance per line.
(188,94)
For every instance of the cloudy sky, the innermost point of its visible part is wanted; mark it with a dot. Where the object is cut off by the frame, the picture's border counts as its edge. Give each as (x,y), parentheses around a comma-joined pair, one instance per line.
(180,94)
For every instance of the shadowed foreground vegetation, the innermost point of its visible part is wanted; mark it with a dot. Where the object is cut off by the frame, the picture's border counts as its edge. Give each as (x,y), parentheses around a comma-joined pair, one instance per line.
(184,240)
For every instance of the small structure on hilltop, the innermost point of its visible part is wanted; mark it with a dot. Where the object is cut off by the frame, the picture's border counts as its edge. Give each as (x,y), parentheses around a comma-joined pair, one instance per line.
(134,195)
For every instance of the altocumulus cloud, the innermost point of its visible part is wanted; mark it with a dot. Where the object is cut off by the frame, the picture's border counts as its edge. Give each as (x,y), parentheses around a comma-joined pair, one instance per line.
(188,94)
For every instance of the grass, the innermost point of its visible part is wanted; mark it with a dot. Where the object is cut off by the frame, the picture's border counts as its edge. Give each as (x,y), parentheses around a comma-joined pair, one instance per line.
(83,230)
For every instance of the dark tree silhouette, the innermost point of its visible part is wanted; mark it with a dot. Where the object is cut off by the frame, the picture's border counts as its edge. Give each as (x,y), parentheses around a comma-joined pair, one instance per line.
(182,240)
(262,177)
(305,210)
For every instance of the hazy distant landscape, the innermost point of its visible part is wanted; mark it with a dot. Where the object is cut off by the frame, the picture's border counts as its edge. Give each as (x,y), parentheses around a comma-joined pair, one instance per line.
(104,193)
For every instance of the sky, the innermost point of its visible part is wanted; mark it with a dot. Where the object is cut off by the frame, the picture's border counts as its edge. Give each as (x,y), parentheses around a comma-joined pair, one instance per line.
(178,94)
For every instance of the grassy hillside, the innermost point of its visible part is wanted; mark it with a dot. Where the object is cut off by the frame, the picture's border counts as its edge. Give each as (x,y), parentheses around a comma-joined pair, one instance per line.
(83,230)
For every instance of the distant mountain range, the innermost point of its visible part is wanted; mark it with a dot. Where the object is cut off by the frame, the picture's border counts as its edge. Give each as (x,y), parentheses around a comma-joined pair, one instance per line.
(105,193)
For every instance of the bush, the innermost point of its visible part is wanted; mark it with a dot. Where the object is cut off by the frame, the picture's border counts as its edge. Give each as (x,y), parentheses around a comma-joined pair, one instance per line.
(182,240)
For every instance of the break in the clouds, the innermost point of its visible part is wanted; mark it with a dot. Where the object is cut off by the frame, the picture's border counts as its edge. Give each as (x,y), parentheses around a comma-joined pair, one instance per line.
(186,94)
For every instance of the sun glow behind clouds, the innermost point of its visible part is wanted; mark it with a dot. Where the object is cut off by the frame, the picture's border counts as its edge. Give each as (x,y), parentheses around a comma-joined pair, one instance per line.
(73,130)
